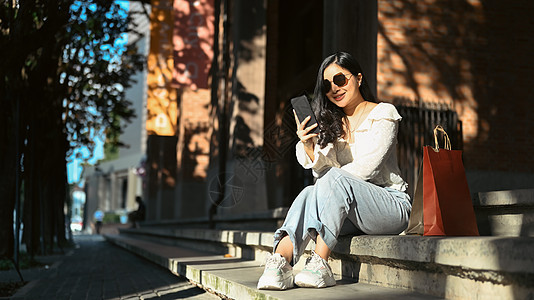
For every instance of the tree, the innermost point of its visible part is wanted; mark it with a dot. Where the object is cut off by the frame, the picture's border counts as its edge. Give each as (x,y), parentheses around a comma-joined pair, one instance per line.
(63,73)
(97,68)
(28,47)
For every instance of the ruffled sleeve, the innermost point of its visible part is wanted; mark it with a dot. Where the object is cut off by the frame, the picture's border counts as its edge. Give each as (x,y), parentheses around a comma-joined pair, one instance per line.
(376,140)
(324,158)
(383,111)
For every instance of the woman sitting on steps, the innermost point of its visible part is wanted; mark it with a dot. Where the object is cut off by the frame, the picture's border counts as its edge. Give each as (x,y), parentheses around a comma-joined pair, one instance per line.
(358,188)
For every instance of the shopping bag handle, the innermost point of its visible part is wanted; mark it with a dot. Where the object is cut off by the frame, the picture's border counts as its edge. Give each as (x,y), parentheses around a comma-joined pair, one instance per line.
(447,145)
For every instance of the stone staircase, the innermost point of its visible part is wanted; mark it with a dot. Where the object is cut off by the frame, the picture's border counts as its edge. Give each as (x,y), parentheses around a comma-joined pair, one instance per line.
(505,213)
(235,278)
(367,267)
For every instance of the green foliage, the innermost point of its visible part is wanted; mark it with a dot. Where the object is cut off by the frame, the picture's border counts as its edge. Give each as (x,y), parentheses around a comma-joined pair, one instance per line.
(97,68)
(64,68)
(111,152)
(8,289)
(96,63)
(111,218)
(111,147)
(25,262)
(31,109)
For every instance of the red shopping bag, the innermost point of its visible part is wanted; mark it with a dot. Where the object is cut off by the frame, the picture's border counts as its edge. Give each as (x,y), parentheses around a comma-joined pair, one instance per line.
(442,202)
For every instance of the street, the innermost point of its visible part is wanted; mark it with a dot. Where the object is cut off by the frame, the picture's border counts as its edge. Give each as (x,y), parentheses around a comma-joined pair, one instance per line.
(96,269)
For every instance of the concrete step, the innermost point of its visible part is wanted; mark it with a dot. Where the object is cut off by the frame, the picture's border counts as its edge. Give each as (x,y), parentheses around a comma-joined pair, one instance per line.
(258,220)
(499,213)
(450,267)
(236,278)
(505,213)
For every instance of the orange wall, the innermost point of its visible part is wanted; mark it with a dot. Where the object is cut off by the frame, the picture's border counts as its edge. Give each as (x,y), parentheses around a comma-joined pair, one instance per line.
(475,55)
(162,111)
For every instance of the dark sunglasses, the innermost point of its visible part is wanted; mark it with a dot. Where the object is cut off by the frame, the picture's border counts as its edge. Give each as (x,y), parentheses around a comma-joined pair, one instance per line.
(339,79)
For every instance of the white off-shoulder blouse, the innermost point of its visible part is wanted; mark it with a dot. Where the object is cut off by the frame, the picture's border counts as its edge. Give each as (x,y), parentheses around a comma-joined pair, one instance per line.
(372,156)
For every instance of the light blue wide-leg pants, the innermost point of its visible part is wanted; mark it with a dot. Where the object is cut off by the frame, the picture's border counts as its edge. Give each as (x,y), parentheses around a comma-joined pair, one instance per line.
(339,200)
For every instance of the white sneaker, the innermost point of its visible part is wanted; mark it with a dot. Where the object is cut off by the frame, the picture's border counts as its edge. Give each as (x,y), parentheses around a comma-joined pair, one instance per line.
(316,273)
(278,274)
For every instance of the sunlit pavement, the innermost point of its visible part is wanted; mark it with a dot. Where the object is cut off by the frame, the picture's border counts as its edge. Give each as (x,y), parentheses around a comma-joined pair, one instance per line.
(95,269)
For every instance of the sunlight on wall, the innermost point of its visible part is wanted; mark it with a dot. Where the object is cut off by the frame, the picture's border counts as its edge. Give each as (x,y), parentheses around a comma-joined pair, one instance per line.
(422,56)
(162,111)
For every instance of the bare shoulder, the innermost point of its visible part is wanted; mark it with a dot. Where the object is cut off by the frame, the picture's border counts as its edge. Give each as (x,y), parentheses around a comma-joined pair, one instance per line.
(385,106)
(385,110)
(372,105)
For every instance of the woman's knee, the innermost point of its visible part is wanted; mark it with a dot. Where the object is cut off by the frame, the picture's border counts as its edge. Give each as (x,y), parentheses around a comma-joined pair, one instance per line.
(331,180)
(332,174)
(301,200)
(328,180)
(304,194)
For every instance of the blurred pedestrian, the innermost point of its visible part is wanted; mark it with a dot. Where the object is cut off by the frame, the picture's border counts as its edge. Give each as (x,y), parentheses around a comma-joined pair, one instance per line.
(139,215)
(99,218)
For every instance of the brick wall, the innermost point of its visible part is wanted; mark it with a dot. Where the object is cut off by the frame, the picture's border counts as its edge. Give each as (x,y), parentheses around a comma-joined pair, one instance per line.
(475,55)
(195,131)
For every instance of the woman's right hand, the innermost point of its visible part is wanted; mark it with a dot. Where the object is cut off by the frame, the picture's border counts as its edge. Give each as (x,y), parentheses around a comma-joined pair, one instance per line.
(304,132)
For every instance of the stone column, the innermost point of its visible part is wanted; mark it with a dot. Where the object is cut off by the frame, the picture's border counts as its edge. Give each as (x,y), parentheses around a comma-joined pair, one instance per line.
(352,26)
(246,190)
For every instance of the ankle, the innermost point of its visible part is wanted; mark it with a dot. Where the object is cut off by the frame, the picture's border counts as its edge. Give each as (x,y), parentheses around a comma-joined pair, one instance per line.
(324,256)
(288,258)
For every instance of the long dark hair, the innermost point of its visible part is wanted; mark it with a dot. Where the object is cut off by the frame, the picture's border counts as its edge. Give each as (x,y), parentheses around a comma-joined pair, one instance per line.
(329,115)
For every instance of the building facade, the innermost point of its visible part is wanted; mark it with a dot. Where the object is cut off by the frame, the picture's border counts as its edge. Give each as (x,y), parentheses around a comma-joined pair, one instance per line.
(112,185)
(219,128)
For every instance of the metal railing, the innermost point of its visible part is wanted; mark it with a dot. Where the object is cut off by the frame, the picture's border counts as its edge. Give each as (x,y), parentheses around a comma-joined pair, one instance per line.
(416,131)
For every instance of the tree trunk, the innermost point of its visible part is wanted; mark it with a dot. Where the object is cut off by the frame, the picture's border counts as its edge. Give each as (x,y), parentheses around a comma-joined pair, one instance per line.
(7,199)
(7,173)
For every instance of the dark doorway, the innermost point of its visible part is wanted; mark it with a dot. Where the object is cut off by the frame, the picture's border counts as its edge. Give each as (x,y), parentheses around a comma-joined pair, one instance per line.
(124,192)
(294,52)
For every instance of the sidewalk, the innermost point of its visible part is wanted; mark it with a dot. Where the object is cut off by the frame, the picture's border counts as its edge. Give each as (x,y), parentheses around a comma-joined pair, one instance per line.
(96,269)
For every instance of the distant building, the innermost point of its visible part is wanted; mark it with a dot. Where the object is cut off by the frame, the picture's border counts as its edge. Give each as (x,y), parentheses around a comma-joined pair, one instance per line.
(113,184)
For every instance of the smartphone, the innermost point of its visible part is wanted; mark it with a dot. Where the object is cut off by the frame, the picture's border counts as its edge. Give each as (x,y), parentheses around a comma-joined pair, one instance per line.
(302,107)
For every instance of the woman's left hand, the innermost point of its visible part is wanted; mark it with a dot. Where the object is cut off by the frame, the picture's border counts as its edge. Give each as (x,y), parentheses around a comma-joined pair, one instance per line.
(304,134)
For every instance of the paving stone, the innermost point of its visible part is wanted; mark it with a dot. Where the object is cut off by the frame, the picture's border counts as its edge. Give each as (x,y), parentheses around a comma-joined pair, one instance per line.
(99,270)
